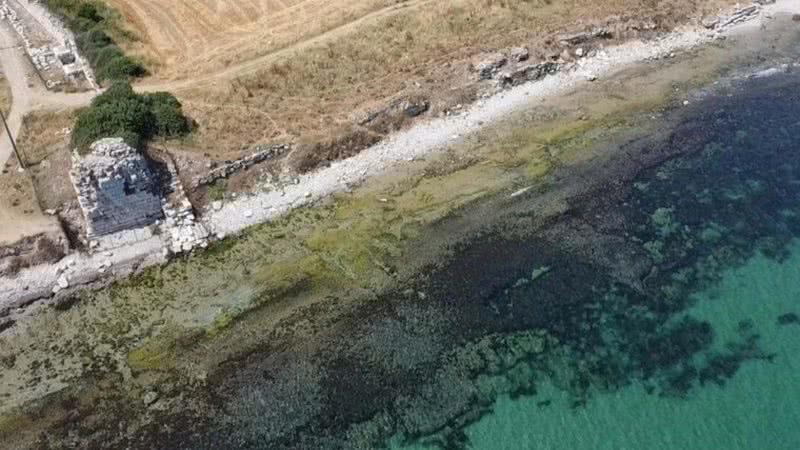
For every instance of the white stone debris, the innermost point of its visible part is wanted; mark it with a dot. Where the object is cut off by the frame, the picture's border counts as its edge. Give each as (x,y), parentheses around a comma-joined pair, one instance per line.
(62,282)
(182,229)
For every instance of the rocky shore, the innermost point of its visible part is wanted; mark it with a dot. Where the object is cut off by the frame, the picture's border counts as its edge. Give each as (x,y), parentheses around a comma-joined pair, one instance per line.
(401,148)
(351,315)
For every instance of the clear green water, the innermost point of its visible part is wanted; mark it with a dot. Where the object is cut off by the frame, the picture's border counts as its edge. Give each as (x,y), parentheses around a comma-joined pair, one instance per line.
(758,408)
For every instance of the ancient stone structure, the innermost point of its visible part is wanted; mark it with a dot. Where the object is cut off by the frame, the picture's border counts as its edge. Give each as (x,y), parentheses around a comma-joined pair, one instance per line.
(180,226)
(117,189)
(262,153)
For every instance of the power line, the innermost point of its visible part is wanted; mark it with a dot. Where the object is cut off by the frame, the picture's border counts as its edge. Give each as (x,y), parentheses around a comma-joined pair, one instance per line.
(13,144)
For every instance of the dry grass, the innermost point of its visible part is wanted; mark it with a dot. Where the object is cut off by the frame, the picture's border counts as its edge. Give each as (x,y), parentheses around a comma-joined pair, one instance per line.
(44,133)
(20,214)
(44,144)
(181,38)
(316,90)
(258,71)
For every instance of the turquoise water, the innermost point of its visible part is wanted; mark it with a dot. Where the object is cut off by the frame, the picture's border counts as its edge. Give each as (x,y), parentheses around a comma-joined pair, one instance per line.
(700,352)
(758,408)
(659,312)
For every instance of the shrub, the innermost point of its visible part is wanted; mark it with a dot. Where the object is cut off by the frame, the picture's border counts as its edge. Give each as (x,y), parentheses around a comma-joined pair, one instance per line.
(105,55)
(121,112)
(119,68)
(168,120)
(90,12)
(93,24)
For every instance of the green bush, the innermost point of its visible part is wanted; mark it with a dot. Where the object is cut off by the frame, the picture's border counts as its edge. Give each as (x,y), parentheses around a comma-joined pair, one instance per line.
(119,68)
(90,12)
(121,112)
(105,55)
(93,24)
(168,119)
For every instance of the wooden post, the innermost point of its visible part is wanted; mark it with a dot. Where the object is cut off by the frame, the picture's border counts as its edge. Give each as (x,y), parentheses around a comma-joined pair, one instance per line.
(13,144)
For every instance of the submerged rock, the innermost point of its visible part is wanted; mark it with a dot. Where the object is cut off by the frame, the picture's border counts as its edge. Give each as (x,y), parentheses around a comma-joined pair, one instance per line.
(789,319)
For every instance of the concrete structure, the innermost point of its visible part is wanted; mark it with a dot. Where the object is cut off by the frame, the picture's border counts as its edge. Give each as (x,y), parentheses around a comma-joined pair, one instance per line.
(117,189)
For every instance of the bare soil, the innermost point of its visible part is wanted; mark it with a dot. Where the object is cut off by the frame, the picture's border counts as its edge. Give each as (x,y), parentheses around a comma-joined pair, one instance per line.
(44,144)
(20,214)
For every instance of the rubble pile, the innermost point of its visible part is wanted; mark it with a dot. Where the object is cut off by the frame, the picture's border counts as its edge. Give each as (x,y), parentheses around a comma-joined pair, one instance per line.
(180,226)
(43,57)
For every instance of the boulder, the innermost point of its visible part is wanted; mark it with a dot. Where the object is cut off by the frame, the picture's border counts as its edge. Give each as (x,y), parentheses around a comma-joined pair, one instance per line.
(528,72)
(710,22)
(584,36)
(414,109)
(519,54)
(150,398)
(63,281)
(489,64)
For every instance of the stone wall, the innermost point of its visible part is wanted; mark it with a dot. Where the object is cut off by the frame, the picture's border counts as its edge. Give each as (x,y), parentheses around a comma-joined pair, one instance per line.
(117,189)
(228,168)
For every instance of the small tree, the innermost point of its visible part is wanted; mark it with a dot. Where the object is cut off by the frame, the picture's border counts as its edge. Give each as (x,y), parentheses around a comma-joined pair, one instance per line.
(168,118)
(121,112)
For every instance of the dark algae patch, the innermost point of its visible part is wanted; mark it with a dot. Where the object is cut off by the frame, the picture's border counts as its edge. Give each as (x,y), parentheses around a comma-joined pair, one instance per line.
(600,299)
(789,319)
(515,309)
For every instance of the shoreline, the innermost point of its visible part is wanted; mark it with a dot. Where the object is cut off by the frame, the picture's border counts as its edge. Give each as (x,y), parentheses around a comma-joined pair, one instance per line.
(167,353)
(266,363)
(424,139)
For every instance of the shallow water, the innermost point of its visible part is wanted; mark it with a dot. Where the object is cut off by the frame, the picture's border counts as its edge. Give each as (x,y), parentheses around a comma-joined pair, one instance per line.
(704,352)
(629,296)
(756,409)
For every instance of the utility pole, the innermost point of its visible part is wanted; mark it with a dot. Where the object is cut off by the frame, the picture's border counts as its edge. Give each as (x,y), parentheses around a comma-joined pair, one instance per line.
(13,144)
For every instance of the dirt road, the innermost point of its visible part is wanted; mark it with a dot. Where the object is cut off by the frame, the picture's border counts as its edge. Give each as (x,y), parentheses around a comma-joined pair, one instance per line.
(20,215)
(14,67)
(26,91)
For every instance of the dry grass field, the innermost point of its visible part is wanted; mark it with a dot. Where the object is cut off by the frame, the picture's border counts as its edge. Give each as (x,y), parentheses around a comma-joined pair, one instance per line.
(183,38)
(256,71)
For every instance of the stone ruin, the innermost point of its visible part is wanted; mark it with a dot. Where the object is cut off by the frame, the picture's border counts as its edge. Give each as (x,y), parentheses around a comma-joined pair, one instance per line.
(117,188)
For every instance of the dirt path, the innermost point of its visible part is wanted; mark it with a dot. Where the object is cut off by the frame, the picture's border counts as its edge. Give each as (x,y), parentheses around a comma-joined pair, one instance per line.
(20,214)
(14,66)
(26,91)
